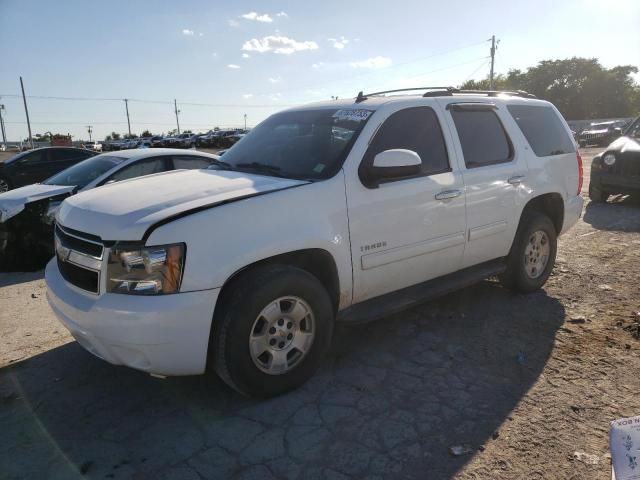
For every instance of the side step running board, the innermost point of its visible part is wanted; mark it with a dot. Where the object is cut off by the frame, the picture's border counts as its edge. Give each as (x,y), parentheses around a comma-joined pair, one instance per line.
(394,302)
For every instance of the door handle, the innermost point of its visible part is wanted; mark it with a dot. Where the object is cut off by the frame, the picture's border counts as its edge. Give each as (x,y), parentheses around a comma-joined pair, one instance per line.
(448,194)
(516,180)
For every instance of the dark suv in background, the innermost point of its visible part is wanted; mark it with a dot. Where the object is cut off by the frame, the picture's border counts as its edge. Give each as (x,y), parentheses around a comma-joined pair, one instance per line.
(617,169)
(34,166)
(600,134)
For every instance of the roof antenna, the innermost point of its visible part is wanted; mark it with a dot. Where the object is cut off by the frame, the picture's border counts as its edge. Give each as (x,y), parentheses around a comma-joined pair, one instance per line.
(360,97)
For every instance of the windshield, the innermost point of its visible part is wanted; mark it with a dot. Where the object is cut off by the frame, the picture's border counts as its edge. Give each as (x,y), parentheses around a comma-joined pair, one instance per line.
(83,173)
(309,144)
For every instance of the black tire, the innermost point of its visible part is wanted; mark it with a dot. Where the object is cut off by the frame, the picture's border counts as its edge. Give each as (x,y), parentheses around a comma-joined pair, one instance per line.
(596,195)
(516,278)
(241,305)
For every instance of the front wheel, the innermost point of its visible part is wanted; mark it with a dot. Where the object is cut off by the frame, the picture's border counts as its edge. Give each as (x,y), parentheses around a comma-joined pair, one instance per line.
(532,255)
(596,195)
(273,328)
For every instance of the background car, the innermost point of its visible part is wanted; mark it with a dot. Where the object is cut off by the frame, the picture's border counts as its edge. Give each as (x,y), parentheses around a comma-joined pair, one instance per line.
(34,166)
(600,134)
(27,214)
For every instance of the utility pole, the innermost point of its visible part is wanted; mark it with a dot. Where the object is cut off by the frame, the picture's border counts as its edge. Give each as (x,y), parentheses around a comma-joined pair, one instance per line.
(175,109)
(26,111)
(89,129)
(126,106)
(4,133)
(493,57)
(245,121)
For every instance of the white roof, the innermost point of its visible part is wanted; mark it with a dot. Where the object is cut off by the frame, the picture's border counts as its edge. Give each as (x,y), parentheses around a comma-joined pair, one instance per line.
(376,101)
(138,153)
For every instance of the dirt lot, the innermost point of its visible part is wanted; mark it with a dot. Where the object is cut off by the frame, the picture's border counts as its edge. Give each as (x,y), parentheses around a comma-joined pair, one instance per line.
(524,382)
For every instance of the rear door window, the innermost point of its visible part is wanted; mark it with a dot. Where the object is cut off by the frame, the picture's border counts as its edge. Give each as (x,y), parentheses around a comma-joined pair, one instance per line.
(147,166)
(190,162)
(482,137)
(543,129)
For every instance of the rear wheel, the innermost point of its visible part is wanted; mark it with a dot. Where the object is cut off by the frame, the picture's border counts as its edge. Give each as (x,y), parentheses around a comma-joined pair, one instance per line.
(532,255)
(596,195)
(5,186)
(272,330)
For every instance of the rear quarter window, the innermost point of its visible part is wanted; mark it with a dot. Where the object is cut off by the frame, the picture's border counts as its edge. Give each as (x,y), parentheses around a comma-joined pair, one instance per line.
(543,129)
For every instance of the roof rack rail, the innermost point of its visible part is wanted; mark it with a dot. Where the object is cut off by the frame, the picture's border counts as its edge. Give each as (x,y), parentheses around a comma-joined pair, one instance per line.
(447,91)
(495,93)
(362,97)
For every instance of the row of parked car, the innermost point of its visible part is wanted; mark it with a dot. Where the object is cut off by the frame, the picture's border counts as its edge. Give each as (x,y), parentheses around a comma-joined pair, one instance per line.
(210,139)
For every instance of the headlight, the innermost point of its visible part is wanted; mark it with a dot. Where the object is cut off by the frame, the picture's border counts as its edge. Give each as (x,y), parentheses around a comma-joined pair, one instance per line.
(146,271)
(609,159)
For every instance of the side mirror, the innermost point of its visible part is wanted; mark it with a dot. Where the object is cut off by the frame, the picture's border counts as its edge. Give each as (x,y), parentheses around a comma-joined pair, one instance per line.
(617,132)
(395,163)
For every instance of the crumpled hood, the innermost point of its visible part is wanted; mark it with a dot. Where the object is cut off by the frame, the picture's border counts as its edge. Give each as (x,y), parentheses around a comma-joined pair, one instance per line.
(624,145)
(14,201)
(125,210)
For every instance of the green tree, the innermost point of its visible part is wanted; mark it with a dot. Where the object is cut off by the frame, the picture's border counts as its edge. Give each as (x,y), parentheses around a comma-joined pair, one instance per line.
(115,136)
(187,131)
(146,133)
(107,138)
(580,88)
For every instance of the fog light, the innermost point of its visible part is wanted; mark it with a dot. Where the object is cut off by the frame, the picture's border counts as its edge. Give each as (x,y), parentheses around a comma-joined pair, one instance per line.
(609,159)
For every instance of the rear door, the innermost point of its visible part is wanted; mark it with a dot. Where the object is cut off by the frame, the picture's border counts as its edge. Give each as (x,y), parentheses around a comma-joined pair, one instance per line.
(406,230)
(494,173)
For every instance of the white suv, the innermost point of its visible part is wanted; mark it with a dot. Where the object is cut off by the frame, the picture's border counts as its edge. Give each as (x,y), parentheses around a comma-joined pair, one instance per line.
(338,211)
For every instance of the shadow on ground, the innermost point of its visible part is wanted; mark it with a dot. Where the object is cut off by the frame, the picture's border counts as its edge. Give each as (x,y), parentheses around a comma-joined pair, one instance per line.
(620,213)
(389,401)
(21,277)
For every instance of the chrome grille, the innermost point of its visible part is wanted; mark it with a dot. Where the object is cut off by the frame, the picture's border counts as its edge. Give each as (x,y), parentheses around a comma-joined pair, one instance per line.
(79,258)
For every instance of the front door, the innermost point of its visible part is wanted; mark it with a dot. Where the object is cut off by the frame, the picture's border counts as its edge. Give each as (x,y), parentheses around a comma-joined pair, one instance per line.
(407,230)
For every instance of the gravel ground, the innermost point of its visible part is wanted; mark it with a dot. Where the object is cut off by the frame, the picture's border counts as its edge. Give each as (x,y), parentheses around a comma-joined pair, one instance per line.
(524,384)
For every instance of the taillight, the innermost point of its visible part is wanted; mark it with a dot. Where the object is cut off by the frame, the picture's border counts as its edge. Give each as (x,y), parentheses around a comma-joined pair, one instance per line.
(580,171)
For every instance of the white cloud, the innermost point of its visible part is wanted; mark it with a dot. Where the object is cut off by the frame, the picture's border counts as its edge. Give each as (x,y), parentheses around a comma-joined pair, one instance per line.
(187,32)
(247,96)
(281,14)
(338,43)
(274,79)
(275,96)
(373,62)
(233,23)
(265,18)
(278,44)
(214,54)
(245,55)
(318,66)
(200,34)
(233,66)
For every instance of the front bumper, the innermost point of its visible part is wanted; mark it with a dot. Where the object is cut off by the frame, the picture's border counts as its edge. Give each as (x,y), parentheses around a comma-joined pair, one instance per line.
(615,183)
(572,212)
(163,334)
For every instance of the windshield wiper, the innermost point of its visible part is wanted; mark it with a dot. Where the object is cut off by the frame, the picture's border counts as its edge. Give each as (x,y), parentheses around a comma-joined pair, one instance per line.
(222,163)
(261,167)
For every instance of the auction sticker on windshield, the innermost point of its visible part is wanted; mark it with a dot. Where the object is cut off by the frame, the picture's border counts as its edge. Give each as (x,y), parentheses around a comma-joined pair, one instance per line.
(358,115)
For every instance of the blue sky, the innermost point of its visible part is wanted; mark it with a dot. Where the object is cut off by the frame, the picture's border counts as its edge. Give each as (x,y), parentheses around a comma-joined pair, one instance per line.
(256,57)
